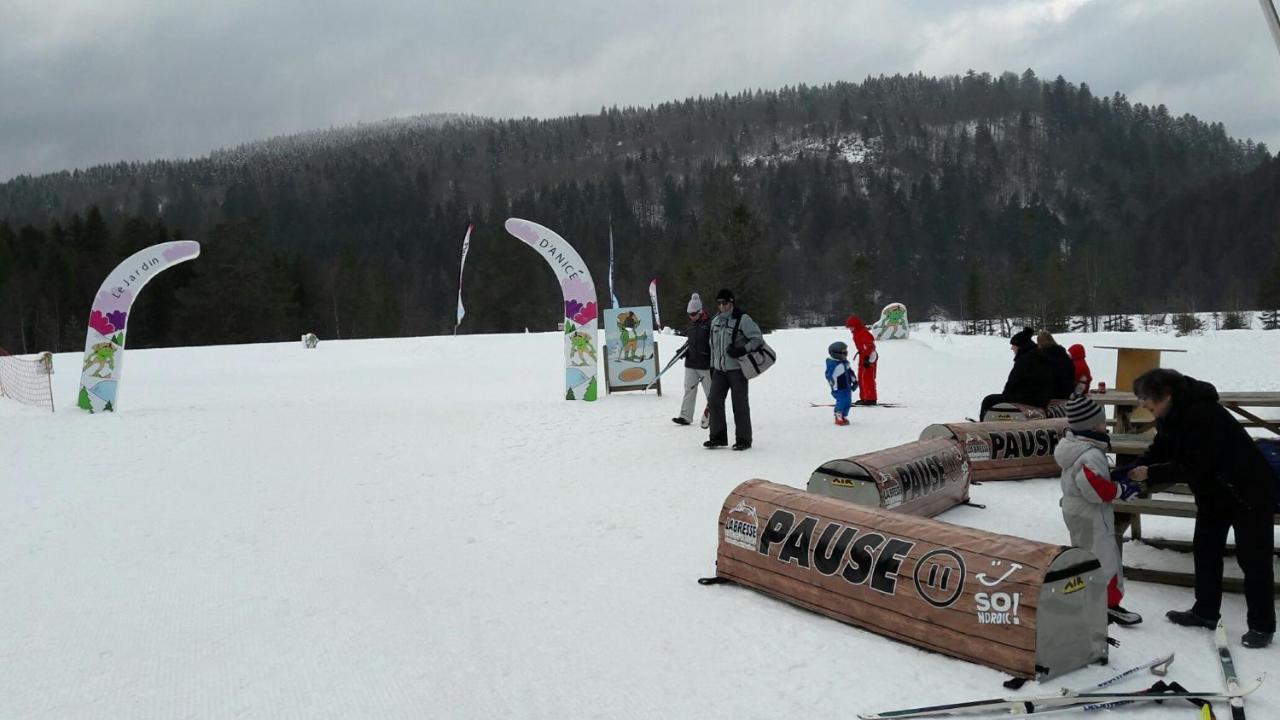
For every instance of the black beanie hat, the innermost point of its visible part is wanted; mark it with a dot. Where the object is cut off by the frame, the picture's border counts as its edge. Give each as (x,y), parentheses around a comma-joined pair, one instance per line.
(725,294)
(1022,338)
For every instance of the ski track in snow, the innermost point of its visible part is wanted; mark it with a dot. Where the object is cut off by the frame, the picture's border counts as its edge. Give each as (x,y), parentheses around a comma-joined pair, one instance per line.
(423,527)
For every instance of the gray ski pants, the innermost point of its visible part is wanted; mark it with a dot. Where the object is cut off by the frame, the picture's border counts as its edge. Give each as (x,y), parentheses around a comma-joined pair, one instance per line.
(692,379)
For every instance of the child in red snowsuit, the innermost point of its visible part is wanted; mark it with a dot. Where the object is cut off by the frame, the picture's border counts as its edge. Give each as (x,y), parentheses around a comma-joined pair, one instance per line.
(865,343)
(1084,378)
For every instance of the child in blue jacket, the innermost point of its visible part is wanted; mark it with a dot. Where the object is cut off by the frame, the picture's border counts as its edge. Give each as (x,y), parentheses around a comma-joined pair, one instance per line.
(840,378)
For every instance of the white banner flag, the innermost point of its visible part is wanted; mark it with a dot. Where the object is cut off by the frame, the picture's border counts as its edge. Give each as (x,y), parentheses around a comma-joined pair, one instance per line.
(466,245)
(612,298)
(653,300)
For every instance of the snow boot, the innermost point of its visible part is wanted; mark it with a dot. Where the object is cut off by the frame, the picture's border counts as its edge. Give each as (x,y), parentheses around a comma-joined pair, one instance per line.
(679,421)
(741,446)
(713,444)
(841,420)
(1118,615)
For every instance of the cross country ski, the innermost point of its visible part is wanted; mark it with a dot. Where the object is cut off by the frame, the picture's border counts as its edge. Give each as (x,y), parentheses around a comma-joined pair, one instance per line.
(1093,697)
(1228,670)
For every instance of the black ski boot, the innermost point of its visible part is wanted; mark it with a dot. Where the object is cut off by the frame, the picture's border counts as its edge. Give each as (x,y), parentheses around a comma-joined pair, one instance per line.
(1189,618)
(1256,639)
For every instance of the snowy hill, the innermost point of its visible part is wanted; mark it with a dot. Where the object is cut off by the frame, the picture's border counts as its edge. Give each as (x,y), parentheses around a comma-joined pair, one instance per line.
(420,528)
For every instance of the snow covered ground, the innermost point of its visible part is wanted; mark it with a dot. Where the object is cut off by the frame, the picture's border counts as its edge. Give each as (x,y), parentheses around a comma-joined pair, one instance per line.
(421,528)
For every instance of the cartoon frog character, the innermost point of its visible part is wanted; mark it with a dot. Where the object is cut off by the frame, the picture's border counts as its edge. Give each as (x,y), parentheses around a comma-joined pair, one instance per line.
(580,346)
(102,355)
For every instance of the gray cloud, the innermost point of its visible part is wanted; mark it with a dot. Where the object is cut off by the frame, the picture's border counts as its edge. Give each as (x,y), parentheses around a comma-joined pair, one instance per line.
(84,82)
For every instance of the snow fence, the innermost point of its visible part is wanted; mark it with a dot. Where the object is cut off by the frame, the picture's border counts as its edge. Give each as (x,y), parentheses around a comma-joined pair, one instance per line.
(1030,609)
(1005,450)
(921,478)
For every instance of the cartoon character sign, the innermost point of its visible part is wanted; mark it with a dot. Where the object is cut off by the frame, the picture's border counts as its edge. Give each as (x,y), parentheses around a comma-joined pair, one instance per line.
(581,322)
(893,323)
(104,343)
(632,361)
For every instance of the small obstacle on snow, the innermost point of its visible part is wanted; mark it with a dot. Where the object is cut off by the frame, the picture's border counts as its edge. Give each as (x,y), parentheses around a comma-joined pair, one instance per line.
(1005,450)
(1027,608)
(921,478)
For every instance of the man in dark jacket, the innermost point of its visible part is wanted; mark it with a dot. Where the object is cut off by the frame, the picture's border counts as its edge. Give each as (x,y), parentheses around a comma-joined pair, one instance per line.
(1198,442)
(733,335)
(1029,381)
(1062,369)
(697,362)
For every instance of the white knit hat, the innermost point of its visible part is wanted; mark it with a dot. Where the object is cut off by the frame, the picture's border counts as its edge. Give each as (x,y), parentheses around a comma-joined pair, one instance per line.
(695,304)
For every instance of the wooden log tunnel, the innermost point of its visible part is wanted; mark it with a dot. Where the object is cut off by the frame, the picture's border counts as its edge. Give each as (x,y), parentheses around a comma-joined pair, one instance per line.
(922,478)
(1027,608)
(1016,412)
(1005,450)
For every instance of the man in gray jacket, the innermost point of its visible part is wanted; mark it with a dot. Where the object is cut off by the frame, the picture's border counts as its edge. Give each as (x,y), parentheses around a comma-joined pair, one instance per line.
(733,334)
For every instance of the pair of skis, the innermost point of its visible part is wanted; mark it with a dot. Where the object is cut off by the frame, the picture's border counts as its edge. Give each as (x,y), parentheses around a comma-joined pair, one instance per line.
(854,405)
(1095,697)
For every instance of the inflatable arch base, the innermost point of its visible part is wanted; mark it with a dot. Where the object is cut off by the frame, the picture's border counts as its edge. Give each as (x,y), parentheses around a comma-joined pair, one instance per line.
(1005,450)
(921,478)
(1026,608)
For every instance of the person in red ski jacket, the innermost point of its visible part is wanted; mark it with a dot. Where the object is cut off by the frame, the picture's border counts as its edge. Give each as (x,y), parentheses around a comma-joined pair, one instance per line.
(1084,377)
(865,343)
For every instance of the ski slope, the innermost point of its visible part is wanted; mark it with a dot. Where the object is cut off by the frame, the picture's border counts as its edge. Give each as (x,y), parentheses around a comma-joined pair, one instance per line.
(424,528)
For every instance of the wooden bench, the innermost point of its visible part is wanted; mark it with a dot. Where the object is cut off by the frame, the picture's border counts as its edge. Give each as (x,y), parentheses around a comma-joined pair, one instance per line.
(1134,508)
(1130,444)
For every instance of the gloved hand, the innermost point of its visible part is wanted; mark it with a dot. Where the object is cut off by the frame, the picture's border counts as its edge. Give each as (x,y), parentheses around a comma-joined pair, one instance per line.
(1129,489)
(866,363)
(1121,473)
(736,351)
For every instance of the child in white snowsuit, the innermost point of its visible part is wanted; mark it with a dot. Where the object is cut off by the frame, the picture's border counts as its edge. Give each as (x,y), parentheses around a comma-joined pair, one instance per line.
(1087,492)
(840,378)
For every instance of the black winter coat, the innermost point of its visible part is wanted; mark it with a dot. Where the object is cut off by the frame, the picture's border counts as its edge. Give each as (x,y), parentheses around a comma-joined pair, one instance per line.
(1062,370)
(1198,442)
(698,357)
(1030,381)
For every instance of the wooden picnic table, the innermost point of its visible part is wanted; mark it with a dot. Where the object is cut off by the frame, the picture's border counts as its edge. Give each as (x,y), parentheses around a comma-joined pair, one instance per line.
(1132,362)
(1125,402)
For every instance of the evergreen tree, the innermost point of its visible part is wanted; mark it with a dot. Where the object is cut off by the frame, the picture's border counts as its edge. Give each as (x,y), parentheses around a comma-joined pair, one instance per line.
(236,292)
(1269,297)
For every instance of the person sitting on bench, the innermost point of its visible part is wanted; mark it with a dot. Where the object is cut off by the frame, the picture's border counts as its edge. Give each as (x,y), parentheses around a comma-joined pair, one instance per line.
(1030,381)
(1198,442)
(1062,370)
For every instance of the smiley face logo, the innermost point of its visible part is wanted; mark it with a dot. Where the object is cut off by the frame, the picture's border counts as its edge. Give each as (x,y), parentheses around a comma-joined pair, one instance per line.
(939,577)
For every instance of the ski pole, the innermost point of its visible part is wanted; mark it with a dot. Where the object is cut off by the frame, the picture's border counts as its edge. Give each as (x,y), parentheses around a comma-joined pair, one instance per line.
(679,354)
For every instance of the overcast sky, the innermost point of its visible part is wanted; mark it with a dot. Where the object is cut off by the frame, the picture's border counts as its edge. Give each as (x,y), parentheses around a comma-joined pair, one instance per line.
(84,82)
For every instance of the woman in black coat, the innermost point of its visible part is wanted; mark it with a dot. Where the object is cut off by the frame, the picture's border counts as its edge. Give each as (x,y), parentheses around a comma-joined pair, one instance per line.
(1199,443)
(1030,381)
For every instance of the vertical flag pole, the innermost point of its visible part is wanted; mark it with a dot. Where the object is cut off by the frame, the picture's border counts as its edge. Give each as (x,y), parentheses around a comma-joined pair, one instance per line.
(1273,19)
